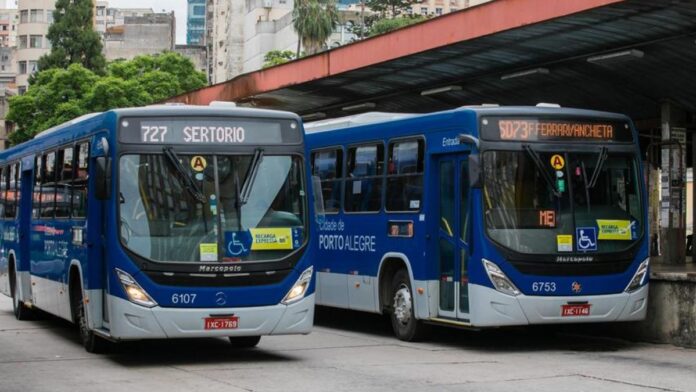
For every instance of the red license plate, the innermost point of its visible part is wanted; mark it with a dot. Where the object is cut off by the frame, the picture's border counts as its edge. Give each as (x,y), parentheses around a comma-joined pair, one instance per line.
(228,322)
(575,310)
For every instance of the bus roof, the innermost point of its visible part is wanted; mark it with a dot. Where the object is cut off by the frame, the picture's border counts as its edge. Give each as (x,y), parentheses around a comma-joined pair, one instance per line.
(86,124)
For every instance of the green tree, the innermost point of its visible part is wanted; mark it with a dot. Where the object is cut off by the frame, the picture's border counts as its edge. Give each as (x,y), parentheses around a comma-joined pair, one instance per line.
(73,38)
(314,21)
(393,7)
(275,57)
(59,95)
(386,25)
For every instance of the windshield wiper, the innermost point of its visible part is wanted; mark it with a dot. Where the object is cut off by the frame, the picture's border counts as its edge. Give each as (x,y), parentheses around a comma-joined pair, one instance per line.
(540,166)
(587,187)
(245,193)
(598,167)
(189,182)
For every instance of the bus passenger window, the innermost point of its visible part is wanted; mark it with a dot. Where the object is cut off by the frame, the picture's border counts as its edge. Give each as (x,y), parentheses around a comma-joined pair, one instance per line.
(13,193)
(4,188)
(48,186)
(81,177)
(363,189)
(38,175)
(328,165)
(64,175)
(405,176)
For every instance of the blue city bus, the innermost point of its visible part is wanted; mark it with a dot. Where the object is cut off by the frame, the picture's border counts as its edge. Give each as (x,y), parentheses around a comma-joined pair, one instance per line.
(481,217)
(161,222)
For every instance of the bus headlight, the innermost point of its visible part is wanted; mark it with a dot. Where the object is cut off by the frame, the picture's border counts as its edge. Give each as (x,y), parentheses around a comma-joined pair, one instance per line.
(640,276)
(135,293)
(500,281)
(298,290)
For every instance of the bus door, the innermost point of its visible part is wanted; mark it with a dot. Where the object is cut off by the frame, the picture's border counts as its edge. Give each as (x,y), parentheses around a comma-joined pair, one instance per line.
(452,245)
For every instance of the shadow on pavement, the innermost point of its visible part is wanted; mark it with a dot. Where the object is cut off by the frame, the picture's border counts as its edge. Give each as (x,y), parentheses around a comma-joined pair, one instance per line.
(578,338)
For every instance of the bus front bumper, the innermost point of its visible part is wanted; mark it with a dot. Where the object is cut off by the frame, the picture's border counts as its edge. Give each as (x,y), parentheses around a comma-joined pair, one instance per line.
(129,321)
(493,308)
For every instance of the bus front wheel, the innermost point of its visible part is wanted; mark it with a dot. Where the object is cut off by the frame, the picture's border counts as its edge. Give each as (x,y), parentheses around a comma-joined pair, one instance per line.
(244,341)
(403,315)
(92,343)
(20,310)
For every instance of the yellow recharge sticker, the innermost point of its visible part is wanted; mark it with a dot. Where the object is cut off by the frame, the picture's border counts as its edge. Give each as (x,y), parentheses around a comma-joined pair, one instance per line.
(557,162)
(271,238)
(564,242)
(208,251)
(198,163)
(611,229)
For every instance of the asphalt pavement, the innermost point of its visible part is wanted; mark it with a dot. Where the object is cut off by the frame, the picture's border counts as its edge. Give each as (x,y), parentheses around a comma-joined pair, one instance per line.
(348,351)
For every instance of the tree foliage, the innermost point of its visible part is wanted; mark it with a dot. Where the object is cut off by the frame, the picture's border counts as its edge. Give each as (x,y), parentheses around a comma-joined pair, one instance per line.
(275,57)
(386,25)
(73,38)
(392,7)
(314,21)
(59,95)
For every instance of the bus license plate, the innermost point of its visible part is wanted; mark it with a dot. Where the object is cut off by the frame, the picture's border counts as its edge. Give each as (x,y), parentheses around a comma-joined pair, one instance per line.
(575,310)
(229,322)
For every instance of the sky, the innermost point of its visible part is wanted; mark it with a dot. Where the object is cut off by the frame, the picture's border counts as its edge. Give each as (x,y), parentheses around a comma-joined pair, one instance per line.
(178,6)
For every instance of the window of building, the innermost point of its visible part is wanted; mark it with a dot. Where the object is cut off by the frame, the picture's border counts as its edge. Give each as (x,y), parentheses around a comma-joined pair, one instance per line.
(4,27)
(35,41)
(79,196)
(36,16)
(32,66)
(24,16)
(405,175)
(199,10)
(328,166)
(49,16)
(438,11)
(22,67)
(424,11)
(363,186)
(100,11)
(21,90)
(23,40)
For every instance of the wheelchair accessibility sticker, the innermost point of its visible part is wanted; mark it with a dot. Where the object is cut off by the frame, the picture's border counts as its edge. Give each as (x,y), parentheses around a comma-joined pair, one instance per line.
(238,243)
(586,239)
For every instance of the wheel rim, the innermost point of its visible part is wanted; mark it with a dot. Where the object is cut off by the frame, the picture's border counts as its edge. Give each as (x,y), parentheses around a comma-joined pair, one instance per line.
(402,305)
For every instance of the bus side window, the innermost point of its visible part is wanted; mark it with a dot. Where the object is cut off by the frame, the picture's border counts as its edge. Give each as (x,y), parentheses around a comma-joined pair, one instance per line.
(363,190)
(4,188)
(64,175)
(328,165)
(13,207)
(38,175)
(405,175)
(81,176)
(48,187)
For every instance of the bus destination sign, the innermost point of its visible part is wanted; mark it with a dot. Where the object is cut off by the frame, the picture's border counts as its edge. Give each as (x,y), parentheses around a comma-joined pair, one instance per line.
(198,131)
(549,129)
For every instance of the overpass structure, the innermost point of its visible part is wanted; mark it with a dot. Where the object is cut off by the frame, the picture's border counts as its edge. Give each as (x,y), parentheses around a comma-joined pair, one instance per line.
(636,57)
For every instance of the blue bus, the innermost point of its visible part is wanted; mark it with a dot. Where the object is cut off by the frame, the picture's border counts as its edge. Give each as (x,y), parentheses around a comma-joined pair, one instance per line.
(161,222)
(481,217)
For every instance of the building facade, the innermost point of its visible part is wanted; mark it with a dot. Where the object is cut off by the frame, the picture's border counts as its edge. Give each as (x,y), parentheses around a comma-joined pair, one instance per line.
(137,35)
(195,22)
(35,16)
(8,27)
(441,7)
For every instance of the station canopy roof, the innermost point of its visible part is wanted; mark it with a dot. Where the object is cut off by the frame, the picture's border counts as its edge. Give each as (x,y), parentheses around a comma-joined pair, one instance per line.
(624,56)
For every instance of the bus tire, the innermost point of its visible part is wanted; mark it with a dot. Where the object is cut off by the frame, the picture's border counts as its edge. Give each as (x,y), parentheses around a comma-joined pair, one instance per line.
(403,315)
(91,342)
(21,311)
(244,341)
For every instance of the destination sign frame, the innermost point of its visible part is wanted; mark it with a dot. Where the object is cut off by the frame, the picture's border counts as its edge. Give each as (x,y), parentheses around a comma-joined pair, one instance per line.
(208,131)
(555,129)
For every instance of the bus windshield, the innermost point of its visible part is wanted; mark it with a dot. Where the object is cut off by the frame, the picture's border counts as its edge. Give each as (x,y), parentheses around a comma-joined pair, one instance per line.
(541,202)
(193,212)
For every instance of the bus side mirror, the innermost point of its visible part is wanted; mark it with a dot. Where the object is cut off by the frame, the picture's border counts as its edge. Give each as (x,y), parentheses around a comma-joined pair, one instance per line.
(103,178)
(318,198)
(474,171)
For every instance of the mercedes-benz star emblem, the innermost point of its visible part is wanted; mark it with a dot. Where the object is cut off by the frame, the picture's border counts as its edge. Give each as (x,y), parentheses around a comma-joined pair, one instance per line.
(220,298)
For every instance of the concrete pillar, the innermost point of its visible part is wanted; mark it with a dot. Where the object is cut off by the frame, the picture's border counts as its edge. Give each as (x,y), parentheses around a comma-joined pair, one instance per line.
(673,187)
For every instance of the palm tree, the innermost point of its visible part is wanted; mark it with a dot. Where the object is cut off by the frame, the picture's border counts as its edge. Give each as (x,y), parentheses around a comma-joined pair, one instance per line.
(314,21)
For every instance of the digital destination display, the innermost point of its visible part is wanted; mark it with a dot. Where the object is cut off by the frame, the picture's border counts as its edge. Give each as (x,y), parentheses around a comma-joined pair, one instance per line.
(552,129)
(207,131)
